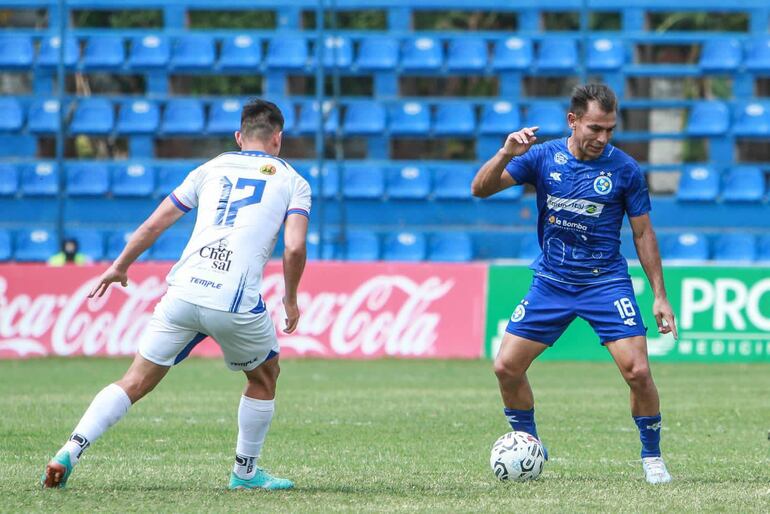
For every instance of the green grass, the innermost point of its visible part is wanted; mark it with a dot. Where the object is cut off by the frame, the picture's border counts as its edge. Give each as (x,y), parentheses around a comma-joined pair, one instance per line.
(395,436)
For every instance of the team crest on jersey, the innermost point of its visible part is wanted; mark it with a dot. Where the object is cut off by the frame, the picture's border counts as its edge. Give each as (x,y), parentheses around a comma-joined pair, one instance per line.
(560,158)
(267,169)
(603,185)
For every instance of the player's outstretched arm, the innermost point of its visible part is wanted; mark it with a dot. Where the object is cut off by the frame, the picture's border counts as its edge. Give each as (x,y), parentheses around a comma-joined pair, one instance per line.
(649,256)
(492,177)
(294,256)
(164,216)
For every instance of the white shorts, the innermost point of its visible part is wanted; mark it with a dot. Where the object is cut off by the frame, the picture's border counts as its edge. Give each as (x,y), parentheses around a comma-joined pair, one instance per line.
(247,339)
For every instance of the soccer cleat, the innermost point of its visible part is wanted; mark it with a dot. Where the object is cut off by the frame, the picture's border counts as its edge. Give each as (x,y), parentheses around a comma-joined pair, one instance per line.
(655,471)
(261,480)
(57,471)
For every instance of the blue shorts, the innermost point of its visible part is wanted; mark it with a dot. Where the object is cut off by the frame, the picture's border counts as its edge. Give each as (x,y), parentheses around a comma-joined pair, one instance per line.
(549,307)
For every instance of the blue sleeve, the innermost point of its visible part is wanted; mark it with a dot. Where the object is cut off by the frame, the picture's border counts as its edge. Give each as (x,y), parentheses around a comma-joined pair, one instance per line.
(637,196)
(523,168)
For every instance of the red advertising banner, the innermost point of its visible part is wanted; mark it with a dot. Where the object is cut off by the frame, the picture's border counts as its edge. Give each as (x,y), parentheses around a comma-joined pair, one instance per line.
(349,310)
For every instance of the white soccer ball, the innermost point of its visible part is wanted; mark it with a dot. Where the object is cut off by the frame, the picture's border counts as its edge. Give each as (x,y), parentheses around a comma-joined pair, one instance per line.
(517,456)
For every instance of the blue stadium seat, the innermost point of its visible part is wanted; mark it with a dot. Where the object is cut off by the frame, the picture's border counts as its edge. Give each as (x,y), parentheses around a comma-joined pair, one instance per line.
(170,176)
(40,179)
(606,54)
(104,52)
(698,184)
(48,54)
(35,245)
(362,245)
(309,117)
(90,242)
(287,110)
(495,245)
(452,182)
(224,116)
(338,52)
(138,117)
(364,118)
(152,51)
(363,181)
(450,247)
(708,118)
(421,54)
(454,119)
(133,180)
(408,183)
(687,246)
(11,114)
(410,118)
(87,179)
(330,175)
(467,55)
(9,179)
(557,54)
(43,116)
(735,246)
(404,246)
(763,248)
(499,118)
(16,52)
(6,246)
(93,116)
(758,54)
(169,245)
(183,116)
(752,120)
(287,53)
(377,54)
(117,240)
(330,248)
(743,184)
(549,116)
(240,52)
(512,54)
(529,246)
(510,194)
(722,54)
(193,52)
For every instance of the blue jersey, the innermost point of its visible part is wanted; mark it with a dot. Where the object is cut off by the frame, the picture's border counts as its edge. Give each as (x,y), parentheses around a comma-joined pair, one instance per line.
(581,205)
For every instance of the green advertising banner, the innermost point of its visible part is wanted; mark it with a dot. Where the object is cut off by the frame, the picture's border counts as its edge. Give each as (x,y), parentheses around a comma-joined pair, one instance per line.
(723,315)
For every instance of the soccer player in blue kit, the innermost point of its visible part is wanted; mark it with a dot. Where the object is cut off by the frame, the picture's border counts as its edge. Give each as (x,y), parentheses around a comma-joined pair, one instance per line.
(584,188)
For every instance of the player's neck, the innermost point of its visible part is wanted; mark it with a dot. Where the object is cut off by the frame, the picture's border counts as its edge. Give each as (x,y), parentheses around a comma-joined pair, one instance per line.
(575,150)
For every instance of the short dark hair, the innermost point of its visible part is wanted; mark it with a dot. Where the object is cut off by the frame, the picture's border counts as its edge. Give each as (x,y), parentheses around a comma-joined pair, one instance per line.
(581,95)
(260,119)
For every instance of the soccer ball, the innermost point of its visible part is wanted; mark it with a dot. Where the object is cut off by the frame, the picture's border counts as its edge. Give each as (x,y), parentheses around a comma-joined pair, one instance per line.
(517,456)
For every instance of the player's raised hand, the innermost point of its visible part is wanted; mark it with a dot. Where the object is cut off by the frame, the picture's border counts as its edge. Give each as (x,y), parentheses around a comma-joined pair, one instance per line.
(292,315)
(664,316)
(517,143)
(107,278)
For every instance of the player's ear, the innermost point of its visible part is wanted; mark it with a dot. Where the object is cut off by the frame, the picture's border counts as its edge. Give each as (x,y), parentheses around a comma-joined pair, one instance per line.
(571,119)
(239,138)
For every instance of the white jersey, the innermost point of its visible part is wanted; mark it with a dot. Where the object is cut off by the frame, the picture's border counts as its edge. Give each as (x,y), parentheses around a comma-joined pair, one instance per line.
(243,199)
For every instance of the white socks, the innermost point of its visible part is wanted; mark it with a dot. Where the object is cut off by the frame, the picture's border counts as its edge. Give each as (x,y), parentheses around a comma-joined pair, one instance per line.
(106,409)
(254,418)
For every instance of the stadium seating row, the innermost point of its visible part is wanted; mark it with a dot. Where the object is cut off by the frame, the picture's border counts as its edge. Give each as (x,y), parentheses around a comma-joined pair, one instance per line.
(38,244)
(707,184)
(203,52)
(464,118)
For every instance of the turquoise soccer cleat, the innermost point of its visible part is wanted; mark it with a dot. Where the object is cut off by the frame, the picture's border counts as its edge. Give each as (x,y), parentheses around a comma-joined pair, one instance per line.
(57,471)
(261,480)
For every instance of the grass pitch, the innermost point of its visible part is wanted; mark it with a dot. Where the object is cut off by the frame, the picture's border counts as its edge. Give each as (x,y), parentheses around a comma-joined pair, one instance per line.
(388,435)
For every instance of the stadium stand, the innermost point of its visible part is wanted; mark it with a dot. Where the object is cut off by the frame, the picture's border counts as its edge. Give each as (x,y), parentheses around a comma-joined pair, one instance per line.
(379,194)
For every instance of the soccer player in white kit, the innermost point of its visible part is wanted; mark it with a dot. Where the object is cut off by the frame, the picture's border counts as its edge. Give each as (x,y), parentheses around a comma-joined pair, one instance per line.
(243,199)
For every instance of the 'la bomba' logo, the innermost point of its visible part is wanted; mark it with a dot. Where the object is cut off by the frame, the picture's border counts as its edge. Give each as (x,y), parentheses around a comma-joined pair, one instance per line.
(603,185)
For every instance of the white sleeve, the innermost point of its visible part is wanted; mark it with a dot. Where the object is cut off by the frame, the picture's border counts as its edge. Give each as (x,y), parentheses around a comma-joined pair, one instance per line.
(185,196)
(300,198)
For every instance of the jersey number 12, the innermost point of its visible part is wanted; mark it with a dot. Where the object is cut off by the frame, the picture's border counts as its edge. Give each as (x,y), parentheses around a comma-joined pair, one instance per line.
(224,199)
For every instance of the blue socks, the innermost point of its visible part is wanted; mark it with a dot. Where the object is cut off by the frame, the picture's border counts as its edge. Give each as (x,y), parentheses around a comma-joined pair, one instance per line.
(649,434)
(523,421)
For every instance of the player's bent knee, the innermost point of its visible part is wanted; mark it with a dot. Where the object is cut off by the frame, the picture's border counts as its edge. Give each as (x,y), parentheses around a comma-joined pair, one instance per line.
(507,370)
(638,375)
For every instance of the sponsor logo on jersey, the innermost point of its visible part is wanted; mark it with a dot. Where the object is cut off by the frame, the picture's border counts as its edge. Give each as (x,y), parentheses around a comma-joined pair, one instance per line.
(205,283)
(267,169)
(556,176)
(218,255)
(576,205)
(603,185)
(567,224)
(560,158)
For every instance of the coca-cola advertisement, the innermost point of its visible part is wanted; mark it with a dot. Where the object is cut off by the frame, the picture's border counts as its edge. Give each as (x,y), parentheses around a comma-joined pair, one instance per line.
(348,310)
